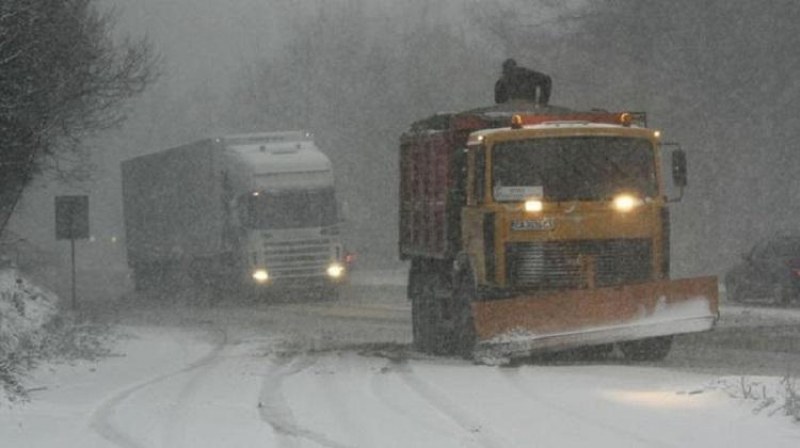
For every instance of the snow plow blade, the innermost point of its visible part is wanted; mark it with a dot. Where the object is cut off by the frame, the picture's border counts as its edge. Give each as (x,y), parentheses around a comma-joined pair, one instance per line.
(525,325)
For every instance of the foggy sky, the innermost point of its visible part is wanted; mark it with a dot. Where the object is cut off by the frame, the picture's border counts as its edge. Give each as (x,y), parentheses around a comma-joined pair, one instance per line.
(737,183)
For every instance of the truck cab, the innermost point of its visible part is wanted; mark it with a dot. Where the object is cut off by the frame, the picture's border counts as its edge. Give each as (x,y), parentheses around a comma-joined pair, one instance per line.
(287,212)
(256,210)
(565,205)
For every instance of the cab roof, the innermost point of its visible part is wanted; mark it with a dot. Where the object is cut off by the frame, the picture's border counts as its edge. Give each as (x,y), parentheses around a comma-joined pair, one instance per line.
(277,152)
(530,113)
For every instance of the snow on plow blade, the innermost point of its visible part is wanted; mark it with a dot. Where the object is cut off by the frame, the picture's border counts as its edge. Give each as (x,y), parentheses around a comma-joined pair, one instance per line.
(567,319)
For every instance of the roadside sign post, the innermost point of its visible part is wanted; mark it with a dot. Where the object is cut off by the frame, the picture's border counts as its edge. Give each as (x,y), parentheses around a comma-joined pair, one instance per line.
(72,222)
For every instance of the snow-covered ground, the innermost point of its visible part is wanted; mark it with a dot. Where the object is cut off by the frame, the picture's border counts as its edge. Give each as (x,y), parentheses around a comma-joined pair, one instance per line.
(173,387)
(24,309)
(341,374)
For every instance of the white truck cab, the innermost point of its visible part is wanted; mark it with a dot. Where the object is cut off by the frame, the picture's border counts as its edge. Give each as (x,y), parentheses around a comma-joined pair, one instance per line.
(287,210)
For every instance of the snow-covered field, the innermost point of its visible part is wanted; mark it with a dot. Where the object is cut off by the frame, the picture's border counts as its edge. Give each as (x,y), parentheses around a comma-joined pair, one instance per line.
(173,387)
(341,374)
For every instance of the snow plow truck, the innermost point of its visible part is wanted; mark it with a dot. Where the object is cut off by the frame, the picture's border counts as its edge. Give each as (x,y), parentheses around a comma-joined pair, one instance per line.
(533,228)
(244,213)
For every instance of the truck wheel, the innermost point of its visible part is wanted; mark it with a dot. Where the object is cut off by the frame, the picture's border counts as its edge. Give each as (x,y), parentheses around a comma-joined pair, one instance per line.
(732,292)
(141,281)
(147,277)
(414,293)
(418,290)
(413,285)
(462,335)
(423,315)
(595,352)
(434,292)
(441,322)
(416,323)
(652,349)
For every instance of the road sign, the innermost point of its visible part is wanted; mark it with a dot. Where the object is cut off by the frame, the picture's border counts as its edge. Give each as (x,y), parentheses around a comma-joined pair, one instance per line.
(72,217)
(72,223)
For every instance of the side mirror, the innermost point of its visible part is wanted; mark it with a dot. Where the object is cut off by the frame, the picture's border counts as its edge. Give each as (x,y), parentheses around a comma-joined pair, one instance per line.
(679,174)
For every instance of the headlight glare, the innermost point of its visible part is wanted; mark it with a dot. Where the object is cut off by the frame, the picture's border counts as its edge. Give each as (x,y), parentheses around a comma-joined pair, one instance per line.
(335,270)
(533,205)
(260,275)
(626,202)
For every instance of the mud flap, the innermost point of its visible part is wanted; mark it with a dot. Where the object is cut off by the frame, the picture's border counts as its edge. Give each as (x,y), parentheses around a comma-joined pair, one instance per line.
(525,325)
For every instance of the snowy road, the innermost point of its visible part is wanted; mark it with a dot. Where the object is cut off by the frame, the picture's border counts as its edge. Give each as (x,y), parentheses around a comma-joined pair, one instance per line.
(341,375)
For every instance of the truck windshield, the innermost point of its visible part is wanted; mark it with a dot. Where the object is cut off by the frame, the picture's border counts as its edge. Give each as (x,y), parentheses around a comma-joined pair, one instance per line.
(289,209)
(576,168)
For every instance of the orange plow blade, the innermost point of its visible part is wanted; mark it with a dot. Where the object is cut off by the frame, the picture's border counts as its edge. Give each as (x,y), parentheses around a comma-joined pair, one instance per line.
(568,319)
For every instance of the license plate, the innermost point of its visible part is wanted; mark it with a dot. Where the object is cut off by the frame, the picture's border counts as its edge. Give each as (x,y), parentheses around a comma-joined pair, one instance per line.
(533,224)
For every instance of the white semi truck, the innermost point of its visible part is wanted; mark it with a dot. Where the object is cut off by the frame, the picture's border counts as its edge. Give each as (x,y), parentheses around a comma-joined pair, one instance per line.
(258,210)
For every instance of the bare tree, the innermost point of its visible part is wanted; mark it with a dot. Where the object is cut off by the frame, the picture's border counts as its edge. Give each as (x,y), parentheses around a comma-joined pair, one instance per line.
(62,78)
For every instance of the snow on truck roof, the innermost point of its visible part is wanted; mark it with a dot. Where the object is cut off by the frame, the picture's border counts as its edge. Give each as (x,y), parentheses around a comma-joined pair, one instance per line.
(500,116)
(571,124)
(277,152)
(267,137)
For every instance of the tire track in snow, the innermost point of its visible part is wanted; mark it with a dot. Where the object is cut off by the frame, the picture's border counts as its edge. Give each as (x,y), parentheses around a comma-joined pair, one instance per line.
(175,430)
(513,377)
(475,432)
(275,410)
(379,385)
(101,418)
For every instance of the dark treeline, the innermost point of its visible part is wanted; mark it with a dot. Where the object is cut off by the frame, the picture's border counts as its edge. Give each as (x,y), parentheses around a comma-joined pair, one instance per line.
(62,78)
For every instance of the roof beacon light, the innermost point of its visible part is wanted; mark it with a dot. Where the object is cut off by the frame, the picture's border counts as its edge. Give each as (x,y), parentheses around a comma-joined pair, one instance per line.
(625,119)
(516,122)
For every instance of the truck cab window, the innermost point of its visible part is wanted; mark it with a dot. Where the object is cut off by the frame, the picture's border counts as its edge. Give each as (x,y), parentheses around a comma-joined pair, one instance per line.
(289,209)
(577,168)
(480,175)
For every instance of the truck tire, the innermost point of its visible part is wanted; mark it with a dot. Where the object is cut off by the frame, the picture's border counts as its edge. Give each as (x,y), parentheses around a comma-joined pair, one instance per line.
(733,292)
(413,284)
(416,323)
(414,294)
(147,277)
(426,312)
(441,297)
(594,352)
(423,319)
(141,281)
(651,349)
(461,326)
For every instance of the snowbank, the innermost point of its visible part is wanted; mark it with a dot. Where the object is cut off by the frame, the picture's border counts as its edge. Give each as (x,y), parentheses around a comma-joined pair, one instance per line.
(24,310)
(768,395)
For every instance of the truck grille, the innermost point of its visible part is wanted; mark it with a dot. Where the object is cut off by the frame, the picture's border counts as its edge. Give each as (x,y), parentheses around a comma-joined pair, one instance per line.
(563,265)
(300,258)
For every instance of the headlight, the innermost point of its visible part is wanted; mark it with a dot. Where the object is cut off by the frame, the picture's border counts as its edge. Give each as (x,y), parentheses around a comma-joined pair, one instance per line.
(260,275)
(626,202)
(335,270)
(533,205)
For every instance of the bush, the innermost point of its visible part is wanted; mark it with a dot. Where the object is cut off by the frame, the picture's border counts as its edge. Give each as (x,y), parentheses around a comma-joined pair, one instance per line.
(33,329)
(768,396)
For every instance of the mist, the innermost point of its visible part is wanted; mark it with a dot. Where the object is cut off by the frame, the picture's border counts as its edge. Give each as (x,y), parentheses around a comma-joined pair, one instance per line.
(718,78)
